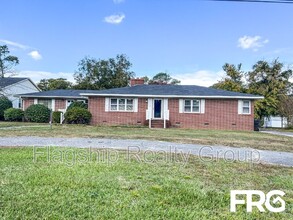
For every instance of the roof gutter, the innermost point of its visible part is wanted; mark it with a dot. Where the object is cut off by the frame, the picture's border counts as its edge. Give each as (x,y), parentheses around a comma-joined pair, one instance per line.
(173,96)
(53,97)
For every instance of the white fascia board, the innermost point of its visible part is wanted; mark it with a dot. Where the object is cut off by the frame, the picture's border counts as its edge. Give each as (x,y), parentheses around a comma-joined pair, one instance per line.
(172,96)
(53,97)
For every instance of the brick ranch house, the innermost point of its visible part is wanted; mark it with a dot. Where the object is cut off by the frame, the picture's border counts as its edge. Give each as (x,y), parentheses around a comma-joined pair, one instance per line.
(164,106)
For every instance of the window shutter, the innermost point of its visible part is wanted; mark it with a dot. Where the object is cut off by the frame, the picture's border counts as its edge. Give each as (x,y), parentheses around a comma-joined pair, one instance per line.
(240,110)
(166,109)
(135,105)
(249,107)
(107,104)
(150,109)
(53,104)
(181,105)
(35,101)
(202,106)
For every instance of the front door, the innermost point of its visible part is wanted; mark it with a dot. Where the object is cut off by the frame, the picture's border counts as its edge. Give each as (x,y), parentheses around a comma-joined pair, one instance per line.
(157,108)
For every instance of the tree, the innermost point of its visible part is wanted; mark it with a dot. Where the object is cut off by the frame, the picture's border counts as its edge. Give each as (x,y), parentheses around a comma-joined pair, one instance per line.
(103,74)
(6,61)
(5,103)
(285,108)
(51,84)
(233,79)
(270,81)
(163,78)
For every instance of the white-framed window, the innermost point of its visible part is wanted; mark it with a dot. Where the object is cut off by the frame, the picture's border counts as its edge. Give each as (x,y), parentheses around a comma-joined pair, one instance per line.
(244,107)
(192,105)
(20,103)
(121,104)
(45,102)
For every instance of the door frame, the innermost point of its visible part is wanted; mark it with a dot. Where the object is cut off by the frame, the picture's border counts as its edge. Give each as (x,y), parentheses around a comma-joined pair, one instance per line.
(153,113)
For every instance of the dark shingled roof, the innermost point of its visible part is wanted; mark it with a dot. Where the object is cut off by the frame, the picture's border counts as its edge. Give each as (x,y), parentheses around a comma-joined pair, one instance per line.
(67,93)
(4,82)
(170,90)
(145,90)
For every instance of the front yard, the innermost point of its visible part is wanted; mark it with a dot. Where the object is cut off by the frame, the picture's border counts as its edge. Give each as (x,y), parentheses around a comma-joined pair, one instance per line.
(206,137)
(129,189)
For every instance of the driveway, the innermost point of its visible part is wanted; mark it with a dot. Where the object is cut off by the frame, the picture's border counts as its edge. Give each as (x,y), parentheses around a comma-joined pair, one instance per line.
(134,146)
(281,133)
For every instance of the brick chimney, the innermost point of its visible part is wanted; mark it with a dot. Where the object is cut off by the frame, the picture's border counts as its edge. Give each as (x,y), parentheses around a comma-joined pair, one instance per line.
(137,81)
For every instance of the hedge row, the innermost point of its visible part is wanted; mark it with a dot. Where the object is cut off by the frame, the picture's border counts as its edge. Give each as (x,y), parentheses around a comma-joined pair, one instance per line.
(76,113)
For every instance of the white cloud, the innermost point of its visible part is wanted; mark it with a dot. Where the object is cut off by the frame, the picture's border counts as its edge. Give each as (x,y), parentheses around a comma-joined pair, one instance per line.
(118,1)
(249,42)
(36,76)
(35,55)
(200,78)
(14,44)
(114,19)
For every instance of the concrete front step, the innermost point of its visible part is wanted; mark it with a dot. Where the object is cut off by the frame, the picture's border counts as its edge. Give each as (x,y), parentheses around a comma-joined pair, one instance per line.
(158,123)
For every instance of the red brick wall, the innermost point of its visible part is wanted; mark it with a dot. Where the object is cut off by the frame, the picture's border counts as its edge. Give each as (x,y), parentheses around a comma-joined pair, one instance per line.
(27,102)
(97,108)
(219,114)
(60,104)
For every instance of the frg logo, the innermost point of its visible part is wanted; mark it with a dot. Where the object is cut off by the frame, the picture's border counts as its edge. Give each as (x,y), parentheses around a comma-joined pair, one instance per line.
(263,199)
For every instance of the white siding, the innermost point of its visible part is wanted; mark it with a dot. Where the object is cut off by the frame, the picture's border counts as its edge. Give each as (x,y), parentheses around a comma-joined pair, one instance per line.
(22,87)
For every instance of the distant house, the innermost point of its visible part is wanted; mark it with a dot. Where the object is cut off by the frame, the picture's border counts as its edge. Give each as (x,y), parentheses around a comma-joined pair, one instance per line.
(12,86)
(159,106)
(275,122)
(57,100)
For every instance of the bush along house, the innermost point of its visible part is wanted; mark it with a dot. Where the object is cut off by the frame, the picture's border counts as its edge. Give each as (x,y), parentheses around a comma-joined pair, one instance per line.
(161,106)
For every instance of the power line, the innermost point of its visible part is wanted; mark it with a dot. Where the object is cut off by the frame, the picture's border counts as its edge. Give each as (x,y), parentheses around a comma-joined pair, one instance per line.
(257,1)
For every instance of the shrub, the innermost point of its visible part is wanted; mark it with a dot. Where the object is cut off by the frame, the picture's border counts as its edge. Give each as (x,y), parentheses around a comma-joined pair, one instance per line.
(13,114)
(5,103)
(37,113)
(56,117)
(77,104)
(78,115)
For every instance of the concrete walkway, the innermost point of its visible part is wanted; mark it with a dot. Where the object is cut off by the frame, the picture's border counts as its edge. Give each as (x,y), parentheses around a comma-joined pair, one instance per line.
(135,146)
(281,133)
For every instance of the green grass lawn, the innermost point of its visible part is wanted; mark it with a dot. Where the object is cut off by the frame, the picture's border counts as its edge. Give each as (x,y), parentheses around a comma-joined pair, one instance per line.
(207,137)
(129,189)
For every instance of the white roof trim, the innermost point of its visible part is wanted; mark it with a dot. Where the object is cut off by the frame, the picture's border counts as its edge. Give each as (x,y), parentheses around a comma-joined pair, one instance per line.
(51,97)
(172,96)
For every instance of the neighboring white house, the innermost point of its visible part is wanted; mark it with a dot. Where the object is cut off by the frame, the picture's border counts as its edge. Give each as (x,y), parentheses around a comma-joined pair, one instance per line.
(11,86)
(275,122)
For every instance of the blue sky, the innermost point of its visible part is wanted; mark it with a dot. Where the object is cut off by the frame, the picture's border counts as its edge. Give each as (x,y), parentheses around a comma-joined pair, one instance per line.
(189,39)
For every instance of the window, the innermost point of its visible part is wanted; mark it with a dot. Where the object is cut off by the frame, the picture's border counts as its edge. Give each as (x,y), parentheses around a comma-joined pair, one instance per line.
(45,102)
(244,107)
(121,105)
(192,105)
(70,101)
(20,103)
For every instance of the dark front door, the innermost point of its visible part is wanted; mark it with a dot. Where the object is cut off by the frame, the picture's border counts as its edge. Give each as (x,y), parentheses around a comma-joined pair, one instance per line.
(157,108)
